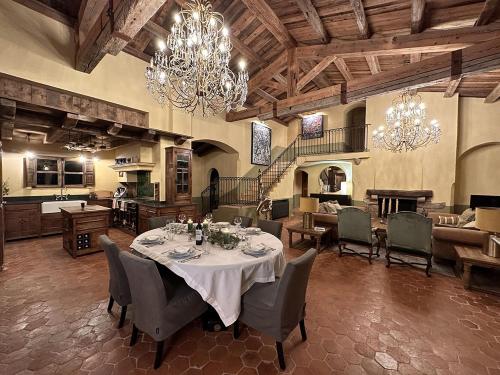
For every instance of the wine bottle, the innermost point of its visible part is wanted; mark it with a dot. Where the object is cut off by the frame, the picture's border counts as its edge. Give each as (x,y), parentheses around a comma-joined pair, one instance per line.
(199,234)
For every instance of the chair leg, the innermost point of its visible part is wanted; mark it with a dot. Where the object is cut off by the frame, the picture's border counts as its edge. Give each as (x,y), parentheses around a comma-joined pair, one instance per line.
(281,356)
(110,304)
(340,250)
(378,249)
(388,258)
(135,333)
(429,266)
(303,330)
(122,316)
(236,329)
(159,354)
(370,253)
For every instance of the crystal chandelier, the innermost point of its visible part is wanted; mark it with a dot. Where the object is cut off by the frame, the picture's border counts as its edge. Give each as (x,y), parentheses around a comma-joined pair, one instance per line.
(406,127)
(195,74)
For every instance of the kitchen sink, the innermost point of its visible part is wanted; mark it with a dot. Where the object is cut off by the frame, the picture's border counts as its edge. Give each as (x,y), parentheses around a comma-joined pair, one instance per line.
(55,206)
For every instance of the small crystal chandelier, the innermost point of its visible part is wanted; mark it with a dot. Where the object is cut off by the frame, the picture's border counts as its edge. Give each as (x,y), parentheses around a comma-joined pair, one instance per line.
(195,75)
(406,127)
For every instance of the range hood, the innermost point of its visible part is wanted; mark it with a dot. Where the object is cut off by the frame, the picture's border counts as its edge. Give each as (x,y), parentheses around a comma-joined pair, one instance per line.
(133,167)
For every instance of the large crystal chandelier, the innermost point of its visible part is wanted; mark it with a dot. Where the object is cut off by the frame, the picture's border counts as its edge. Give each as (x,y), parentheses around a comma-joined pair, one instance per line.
(191,70)
(406,125)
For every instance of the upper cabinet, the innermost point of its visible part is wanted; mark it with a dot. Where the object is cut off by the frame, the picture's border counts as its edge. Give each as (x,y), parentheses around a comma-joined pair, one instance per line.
(178,175)
(58,172)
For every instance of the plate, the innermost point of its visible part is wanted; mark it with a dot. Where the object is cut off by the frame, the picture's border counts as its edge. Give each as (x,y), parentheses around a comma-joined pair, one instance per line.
(252,230)
(222,224)
(174,254)
(257,252)
(181,250)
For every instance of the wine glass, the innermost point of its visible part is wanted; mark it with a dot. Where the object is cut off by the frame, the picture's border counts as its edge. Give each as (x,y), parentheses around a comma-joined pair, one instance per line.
(209,217)
(237,222)
(182,218)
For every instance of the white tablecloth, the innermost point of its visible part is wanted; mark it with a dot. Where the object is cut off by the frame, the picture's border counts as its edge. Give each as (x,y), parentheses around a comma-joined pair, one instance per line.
(221,276)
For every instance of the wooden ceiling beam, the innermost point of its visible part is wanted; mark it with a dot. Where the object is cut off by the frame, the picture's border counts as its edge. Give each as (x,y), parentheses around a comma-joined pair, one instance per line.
(114,129)
(426,42)
(373,64)
(486,15)
(48,11)
(266,96)
(144,38)
(452,87)
(53,135)
(149,135)
(342,67)
(361,21)
(7,118)
(70,121)
(475,59)
(493,95)
(417,23)
(314,72)
(312,16)
(266,15)
(122,23)
(156,30)
(293,72)
(265,74)
(321,80)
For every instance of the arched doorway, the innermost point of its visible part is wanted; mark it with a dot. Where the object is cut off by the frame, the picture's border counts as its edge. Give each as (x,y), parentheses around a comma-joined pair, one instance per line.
(355,132)
(214,189)
(331,179)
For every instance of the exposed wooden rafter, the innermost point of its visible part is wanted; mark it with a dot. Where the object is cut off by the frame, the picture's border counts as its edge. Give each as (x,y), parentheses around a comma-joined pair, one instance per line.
(342,67)
(70,121)
(46,10)
(311,15)
(490,7)
(265,74)
(452,87)
(7,118)
(359,14)
(417,24)
(266,96)
(373,64)
(314,72)
(293,72)
(114,129)
(493,95)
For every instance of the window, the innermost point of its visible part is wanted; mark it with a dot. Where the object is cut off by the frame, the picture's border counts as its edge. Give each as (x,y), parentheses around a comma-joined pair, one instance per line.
(47,172)
(58,172)
(73,172)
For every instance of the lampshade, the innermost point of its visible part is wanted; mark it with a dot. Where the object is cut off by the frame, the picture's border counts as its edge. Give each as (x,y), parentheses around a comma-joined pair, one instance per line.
(309,204)
(488,219)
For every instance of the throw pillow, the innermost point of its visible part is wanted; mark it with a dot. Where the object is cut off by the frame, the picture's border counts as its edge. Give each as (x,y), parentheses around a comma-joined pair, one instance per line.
(448,220)
(471,225)
(466,217)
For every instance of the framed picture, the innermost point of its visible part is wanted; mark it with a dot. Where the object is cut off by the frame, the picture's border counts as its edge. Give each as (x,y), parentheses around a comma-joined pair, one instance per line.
(312,126)
(261,144)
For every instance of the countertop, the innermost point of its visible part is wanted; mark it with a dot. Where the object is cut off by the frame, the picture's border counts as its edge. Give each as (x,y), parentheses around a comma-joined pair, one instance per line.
(139,201)
(87,209)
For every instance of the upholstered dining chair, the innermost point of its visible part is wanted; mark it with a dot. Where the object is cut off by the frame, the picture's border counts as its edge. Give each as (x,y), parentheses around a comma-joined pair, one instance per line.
(355,227)
(160,308)
(119,290)
(409,233)
(272,227)
(277,308)
(160,221)
(246,221)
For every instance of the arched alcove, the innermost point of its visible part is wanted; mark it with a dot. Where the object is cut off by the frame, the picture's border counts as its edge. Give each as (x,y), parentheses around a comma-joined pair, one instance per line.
(331,178)
(355,129)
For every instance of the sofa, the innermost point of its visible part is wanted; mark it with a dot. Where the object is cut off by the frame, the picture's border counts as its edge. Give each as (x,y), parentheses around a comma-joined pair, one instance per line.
(327,221)
(445,238)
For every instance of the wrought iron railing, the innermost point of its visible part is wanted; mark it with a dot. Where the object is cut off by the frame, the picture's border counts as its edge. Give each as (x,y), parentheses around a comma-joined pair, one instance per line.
(247,190)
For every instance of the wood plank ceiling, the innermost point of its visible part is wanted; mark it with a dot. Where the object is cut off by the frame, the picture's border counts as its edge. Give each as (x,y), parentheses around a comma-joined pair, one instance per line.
(300,46)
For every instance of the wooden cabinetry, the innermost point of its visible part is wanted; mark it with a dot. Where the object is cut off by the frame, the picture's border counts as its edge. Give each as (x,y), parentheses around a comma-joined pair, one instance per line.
(22,220)
(51,223)
(178,175)
(146,212)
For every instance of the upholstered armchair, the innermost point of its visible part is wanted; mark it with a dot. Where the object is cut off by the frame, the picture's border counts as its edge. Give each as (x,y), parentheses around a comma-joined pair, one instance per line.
(119,290)
(409,233)
(160,309)
(355,227)
(277,308)
(160,221)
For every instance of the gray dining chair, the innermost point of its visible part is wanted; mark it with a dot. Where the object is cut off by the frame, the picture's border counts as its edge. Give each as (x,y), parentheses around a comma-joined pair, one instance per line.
(272,227)
(119,290)
(277,308)
(160,308)
(355,227)
(160,221)
(246,222)
(409,233)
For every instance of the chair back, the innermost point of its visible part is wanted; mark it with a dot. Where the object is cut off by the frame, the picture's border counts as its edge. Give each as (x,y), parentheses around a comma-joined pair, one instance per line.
(246,221)
(148,293)
(354,224)
(160,221)
(291,294)
(272,227)
(118,282)
(409,230)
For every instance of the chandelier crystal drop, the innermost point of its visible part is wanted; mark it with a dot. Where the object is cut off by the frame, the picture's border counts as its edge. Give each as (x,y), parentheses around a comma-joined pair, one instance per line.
(191,70)
(406,125)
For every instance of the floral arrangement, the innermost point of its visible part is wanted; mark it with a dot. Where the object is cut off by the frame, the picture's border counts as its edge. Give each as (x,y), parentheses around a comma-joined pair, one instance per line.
(223,239)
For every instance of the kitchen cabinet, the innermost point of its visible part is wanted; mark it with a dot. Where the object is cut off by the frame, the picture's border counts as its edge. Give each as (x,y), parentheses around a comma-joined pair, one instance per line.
(146,212)
(178,180)
(51,223)
(22,220)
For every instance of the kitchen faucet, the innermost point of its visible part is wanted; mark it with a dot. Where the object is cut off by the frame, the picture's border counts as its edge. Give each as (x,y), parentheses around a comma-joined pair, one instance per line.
(62,197)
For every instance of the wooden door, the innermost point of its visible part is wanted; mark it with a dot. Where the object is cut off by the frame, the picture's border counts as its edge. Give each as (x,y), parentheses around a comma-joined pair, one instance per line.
(305,184)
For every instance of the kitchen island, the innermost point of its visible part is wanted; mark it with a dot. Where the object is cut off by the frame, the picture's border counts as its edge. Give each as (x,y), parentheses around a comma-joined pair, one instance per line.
(82,228)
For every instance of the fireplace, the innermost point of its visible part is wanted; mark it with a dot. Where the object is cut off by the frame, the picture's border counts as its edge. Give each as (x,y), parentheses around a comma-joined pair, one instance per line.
(383,202)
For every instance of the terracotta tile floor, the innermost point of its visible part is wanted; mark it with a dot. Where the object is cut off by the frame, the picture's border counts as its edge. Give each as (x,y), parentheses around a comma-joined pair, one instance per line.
(361,319)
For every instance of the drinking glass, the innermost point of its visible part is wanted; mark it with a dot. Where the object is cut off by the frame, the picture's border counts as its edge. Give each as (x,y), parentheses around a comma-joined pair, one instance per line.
(209,217)
(182,218)
(237,222)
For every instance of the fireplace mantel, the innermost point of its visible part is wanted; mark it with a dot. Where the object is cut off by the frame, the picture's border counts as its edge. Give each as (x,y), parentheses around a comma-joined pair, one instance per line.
(381,202)
(400,193)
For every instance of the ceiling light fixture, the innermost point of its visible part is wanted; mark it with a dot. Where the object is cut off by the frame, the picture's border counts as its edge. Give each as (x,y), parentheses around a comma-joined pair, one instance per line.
(406,125)
(191,69)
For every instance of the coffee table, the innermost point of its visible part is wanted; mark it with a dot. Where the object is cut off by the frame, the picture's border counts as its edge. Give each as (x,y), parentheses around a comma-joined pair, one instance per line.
(472,256)
(313,234)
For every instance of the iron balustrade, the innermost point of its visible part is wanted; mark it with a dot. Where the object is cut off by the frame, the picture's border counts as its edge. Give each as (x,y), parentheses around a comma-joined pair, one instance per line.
(240,191)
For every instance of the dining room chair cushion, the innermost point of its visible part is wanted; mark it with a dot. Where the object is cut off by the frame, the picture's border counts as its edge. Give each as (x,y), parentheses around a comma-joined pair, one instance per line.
(118,283)
(354,224)
(160,221)
(271,227)
(410,231)
(155,313)
(246,222)
(277,308)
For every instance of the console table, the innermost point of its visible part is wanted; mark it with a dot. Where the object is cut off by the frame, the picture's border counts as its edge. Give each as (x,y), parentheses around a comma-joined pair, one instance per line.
(472,256)
(82,228)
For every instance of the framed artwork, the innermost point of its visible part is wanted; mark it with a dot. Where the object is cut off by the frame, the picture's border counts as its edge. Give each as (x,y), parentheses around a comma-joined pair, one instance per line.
(312,126)
(261,144)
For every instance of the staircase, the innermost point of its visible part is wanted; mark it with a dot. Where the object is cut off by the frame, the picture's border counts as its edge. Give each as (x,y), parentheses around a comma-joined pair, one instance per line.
(244,191)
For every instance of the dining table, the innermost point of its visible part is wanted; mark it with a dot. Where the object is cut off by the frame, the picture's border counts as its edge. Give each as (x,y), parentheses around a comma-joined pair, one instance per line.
(219,275)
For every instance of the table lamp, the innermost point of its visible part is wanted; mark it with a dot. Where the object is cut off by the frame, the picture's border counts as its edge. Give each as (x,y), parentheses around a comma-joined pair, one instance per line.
(308,206)
(488,219)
